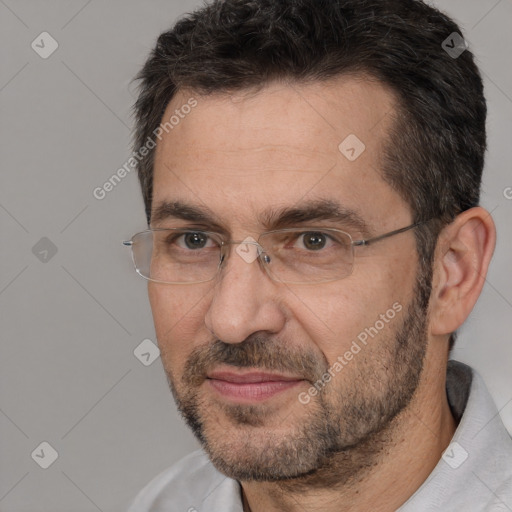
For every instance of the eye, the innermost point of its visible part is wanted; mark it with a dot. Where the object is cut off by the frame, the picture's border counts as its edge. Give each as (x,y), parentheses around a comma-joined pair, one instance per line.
(192,240)
(313,240)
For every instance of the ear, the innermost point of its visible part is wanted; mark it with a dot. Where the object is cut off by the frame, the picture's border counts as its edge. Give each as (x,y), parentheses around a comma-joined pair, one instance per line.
(462,257)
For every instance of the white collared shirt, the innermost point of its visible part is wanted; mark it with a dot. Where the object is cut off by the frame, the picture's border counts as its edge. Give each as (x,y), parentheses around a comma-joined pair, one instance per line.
(473,475)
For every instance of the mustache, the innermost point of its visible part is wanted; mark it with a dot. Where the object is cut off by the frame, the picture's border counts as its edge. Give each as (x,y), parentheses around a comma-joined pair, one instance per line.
(258,351)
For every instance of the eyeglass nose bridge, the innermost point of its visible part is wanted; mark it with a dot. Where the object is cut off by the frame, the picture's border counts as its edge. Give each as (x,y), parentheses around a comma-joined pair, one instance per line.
(247,255)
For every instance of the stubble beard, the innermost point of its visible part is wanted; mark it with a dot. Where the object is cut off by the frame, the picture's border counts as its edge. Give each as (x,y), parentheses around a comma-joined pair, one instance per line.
(335,438)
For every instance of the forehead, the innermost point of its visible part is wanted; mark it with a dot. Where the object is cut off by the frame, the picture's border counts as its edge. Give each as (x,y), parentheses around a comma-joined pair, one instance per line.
(237,153)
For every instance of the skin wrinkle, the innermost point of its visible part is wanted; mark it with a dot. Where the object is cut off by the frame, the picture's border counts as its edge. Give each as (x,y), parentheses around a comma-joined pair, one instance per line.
(364,420)
(338,468)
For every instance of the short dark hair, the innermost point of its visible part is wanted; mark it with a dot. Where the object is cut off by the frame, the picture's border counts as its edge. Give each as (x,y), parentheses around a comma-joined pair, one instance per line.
(434,154)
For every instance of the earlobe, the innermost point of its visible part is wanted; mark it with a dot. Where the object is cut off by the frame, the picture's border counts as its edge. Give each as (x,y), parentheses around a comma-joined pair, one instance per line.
(463,254)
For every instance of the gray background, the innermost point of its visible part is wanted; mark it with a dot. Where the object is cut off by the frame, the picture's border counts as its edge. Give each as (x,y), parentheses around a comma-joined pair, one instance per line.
(70,321)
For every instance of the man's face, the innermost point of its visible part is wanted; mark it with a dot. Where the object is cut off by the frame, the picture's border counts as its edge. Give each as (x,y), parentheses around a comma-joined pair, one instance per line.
(361,339)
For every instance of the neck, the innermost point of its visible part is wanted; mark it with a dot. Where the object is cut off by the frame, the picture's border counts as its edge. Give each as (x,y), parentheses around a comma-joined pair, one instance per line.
(366,478)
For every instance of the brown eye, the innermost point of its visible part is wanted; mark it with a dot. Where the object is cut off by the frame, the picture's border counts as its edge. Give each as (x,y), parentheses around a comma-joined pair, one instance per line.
(192,240)
(314,241)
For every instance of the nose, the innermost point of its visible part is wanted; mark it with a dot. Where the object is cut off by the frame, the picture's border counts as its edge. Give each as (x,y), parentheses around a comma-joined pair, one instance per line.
(244,299)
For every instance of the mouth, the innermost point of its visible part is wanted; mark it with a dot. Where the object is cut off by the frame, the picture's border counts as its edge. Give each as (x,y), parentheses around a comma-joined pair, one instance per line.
(250,386)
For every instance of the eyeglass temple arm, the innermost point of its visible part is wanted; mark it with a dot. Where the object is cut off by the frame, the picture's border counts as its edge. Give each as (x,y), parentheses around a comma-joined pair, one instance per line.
(386,235)
(367,241)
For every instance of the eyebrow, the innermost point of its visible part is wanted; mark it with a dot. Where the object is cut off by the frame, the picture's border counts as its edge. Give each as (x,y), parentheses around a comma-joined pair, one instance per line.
(274,218)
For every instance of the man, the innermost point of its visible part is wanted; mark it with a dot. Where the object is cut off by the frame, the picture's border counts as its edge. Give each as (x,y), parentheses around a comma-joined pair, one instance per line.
(311,173)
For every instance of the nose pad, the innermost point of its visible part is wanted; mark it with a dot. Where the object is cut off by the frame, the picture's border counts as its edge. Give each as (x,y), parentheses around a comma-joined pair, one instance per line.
(261,254)
(243,250)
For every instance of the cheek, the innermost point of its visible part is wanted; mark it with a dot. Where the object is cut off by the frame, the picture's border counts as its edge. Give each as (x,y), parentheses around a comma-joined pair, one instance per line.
(178,316)
(363,308)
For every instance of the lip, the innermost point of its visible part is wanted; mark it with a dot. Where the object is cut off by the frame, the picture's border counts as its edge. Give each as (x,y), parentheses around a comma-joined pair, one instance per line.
(250,386)
(250,377)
